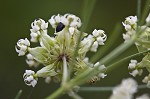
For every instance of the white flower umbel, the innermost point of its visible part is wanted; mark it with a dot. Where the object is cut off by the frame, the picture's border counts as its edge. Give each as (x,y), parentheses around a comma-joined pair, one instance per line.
(38,26)
(22,46)
(125,90)
(29,78)
(56,53)
(147,80)
(144,96)
(31,61)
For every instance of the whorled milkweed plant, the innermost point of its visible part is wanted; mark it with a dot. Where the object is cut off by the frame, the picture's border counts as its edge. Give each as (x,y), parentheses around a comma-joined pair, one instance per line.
(64,55)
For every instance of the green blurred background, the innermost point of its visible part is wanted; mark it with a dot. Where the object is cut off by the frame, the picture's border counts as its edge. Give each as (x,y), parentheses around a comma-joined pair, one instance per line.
(16,17)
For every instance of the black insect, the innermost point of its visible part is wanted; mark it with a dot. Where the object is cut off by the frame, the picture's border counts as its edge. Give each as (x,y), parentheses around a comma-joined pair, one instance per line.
(60,27)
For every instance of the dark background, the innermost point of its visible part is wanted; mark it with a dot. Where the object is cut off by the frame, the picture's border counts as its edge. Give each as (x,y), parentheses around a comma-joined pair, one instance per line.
(15,20)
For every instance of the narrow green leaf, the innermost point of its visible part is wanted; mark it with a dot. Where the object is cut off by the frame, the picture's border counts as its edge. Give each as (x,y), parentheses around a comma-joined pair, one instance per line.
(87,12)
(138,11)
(145,12)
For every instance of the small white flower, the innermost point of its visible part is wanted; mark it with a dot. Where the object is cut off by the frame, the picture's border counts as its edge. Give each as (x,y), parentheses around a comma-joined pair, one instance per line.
(71,30)
(86,60)
(22,46)
(31,61)
(102,75)
(74,21)
(102,67)
(125,90)
(29,78)
(144,96)
(148,18)
(34,36)
(94,46)
(87,42)
(134,72)
(147,80)
(39,24)
(128,35)
(100,36)
(48,80)
(54,20)
(68,20)
(133,64)
(96,64)
(130,23)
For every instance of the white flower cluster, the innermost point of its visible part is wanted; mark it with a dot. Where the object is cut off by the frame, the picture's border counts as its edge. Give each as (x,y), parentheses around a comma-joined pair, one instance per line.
(29,78)
(22,46)
(38,26)
(137,68)
(53,51)
(67,19)
(125,90)
(133,68)
(92,41)
(101,68)
(147,80)
(130,25)
(31,61)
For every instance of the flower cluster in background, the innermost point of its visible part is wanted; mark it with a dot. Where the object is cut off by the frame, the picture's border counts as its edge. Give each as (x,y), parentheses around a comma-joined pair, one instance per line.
(58,50)
(126,90)
(142,43)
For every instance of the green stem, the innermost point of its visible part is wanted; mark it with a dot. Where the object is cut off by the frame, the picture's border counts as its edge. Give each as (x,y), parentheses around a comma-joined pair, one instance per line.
(65,71)
(116,52)
(86,14)
(114,65)
(145,12)
(74,95)
(110,42)
(97,89)
(138,11)
(18,94)
(57,93)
